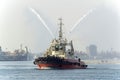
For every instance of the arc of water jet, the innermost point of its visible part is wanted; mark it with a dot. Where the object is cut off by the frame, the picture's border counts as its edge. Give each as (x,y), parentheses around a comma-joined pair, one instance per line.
(80,20)
(43,22)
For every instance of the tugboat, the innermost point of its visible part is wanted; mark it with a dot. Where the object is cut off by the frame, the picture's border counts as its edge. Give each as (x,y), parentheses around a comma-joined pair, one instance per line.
(60,55)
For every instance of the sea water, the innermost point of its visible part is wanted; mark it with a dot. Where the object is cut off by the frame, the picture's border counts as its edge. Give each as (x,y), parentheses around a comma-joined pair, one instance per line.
(26,70)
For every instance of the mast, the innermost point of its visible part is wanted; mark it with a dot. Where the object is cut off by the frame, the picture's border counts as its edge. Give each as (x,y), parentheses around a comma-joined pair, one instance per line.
(72,49)
(60,32)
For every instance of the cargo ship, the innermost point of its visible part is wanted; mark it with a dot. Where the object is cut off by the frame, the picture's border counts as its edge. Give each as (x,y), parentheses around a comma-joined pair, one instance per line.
(60,55)
(16,55)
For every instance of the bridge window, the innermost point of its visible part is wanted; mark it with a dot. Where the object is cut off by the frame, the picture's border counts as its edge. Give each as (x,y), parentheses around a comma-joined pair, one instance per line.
(56,47)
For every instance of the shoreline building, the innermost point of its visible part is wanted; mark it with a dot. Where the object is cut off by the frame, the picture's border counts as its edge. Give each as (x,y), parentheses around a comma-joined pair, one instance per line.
(92,50)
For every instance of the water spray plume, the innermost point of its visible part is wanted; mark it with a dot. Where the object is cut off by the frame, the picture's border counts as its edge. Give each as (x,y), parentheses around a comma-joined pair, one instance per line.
(80,20)
(43,22)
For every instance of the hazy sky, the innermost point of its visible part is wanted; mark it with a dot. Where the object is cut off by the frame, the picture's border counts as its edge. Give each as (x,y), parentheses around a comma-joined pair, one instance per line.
(19,25)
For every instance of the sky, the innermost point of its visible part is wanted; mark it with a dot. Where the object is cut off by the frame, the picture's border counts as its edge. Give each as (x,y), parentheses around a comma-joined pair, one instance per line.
(91,21)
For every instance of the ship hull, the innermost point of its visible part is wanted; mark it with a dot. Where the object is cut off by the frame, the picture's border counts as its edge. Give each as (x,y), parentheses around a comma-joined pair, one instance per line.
(58,63)
(55,66)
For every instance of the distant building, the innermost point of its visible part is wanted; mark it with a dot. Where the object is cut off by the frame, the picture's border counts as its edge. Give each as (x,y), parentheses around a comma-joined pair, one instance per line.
(92,50)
